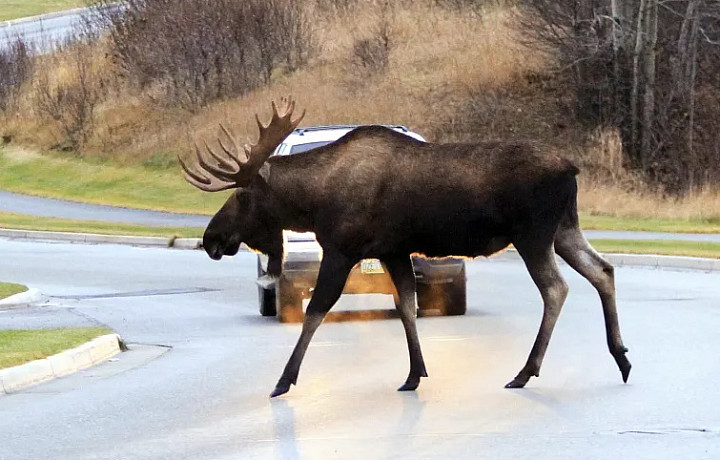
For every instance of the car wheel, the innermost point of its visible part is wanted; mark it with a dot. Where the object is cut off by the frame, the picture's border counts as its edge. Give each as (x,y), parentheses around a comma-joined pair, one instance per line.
(449,298)
(266,297)
(289,301)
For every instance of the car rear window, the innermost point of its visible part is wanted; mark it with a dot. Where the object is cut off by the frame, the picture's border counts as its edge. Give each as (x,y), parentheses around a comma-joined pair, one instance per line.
(299,148)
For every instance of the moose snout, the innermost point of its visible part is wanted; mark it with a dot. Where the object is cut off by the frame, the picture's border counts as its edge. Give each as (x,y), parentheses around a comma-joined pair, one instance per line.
(215,251)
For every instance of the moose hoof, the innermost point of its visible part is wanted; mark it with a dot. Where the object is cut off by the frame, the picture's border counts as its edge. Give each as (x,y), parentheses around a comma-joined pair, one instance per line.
(624,366)
(280,389)
(516,383)
(411,384)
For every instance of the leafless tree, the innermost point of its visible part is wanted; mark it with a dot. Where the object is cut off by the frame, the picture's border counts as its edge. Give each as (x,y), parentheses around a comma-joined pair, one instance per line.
(641,65)
(70,104)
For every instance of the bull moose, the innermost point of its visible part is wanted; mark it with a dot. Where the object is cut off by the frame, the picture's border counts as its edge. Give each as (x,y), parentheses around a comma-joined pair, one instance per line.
(376,193)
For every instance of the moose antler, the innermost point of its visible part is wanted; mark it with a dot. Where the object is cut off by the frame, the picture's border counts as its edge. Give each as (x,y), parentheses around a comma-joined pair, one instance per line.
(241,165)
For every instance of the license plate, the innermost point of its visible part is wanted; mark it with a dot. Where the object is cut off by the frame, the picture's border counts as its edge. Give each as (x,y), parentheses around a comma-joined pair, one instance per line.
(371,266)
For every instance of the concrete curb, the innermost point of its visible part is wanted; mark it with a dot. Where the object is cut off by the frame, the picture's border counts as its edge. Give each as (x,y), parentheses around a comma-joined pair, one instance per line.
(187,243)
(22,299)
(657,261)
(64,363)
(644,260)
(88,237)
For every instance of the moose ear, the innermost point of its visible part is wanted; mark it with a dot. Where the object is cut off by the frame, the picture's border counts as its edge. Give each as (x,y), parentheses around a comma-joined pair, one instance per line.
(264,172)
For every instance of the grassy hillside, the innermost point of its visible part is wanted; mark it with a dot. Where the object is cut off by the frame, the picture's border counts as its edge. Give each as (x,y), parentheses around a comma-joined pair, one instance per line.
(450,73)
(440,61)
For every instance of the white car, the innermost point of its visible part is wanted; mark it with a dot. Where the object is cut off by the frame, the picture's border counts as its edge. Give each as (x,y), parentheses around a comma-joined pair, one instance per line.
(440,282)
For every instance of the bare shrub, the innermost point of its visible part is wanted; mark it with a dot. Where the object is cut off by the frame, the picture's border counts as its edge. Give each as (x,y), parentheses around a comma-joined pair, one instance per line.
(193,52)
(279,30)
(532,106)
(69,101)
(603,158)
(16,69)
(482,115)
(371,53)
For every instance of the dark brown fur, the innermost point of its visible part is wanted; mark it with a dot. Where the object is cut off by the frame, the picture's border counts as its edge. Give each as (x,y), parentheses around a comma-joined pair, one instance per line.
(376,193)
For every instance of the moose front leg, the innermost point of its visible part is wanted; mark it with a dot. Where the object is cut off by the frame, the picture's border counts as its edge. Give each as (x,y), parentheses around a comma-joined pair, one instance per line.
(402,274)
(334,270)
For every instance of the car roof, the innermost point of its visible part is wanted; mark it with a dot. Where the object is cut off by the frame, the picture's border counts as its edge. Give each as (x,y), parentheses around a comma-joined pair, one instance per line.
(330,133)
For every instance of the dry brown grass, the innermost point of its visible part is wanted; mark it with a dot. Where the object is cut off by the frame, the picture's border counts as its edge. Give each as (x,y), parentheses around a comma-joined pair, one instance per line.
(609,200)
(608,189)
(437,58)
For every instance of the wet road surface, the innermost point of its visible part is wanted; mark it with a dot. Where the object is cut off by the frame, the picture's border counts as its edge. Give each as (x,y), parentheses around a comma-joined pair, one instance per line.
(207,397)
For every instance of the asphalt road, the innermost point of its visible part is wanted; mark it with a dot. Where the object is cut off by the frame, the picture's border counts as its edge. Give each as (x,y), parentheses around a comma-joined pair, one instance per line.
(207,397)
(45,31)
(48,207)
(42,30)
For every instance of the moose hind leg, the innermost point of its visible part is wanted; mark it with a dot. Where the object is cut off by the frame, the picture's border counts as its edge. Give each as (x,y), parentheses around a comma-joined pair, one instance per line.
(401,272)
(571,245)
(334,270)
(540,262)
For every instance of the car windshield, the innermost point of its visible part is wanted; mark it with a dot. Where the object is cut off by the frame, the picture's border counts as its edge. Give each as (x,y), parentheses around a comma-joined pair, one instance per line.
(305,147)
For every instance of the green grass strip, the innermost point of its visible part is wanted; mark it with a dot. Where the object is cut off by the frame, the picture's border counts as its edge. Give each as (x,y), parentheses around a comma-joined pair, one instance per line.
(18,347)
(661,247)
(650,225)
(99,183)
(21,222)
(8,289)
(13,9)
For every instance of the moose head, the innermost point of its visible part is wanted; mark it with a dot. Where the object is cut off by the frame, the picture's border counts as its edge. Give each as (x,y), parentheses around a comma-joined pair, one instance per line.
(245,217)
